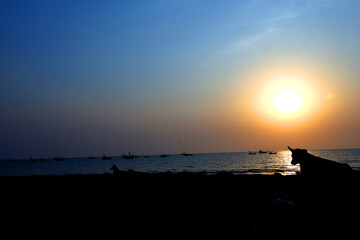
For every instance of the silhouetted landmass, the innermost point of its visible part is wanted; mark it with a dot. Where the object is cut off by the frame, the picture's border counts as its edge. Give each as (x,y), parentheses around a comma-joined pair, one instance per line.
(185,203)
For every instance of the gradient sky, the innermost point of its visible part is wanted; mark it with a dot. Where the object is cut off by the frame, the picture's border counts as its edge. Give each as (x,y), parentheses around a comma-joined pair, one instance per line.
(150,77)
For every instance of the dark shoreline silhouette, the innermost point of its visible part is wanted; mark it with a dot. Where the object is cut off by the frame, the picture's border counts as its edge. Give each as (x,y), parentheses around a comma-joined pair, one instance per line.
(254,204)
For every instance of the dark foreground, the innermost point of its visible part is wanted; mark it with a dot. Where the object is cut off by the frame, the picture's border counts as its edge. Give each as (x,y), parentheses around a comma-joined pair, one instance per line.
(184,204)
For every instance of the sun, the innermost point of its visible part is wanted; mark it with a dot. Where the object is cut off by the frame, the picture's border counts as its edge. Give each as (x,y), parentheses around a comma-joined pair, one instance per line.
(285,98)
(287,101)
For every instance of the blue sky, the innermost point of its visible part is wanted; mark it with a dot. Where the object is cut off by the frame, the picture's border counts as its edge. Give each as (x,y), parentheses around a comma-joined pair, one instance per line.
(86,77)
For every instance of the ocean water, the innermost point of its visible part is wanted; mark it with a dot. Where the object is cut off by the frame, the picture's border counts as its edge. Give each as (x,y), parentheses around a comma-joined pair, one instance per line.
(236,163)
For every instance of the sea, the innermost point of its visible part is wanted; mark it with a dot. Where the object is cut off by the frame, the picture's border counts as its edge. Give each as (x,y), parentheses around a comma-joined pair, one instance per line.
(210,163)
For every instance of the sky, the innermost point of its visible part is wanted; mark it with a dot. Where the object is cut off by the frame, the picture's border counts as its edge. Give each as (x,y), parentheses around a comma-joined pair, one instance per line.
(82,78)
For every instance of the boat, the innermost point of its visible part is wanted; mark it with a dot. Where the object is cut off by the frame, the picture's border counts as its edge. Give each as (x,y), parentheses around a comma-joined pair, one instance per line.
(186,154)
(104,157)
(251,153)
(260,151)
(57,158)
(272,152)
(128,156)
(164,155)
(91,157)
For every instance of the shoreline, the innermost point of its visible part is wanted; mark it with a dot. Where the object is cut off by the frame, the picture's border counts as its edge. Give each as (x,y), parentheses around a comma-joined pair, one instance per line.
(246,203)
(210,173)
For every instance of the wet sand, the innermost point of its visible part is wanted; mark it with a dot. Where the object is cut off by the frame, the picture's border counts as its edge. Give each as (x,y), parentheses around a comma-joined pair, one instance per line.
(186,203)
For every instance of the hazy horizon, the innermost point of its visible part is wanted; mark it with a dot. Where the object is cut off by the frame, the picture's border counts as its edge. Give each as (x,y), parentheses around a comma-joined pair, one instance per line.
(99,155)
(150,77)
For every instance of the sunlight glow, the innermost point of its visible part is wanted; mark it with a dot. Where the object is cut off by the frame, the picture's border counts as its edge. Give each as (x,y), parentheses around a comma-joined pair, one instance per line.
(286,98)
(287,102)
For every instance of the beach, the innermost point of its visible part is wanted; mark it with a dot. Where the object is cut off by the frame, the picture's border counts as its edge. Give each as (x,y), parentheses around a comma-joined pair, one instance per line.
(129,200)
(179,119)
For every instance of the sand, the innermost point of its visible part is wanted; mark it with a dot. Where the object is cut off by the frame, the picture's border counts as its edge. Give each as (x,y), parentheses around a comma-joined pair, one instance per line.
(187,203)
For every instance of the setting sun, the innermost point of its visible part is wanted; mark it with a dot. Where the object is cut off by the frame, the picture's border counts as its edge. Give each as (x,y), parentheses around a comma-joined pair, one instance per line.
(287,102)
(290,97)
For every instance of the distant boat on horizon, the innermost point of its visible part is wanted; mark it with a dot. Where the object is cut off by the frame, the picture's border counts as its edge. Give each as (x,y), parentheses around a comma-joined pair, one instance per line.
(186,154)
(261,151)
(272,152)
(104,157)
(251,153)
(57,158)
(128,156)
(91,157)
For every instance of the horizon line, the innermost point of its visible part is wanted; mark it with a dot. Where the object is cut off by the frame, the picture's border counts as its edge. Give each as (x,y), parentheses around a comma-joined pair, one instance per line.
(327,149)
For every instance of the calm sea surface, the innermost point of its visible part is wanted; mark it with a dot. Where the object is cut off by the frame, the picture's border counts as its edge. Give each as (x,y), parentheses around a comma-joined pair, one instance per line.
(240,162)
